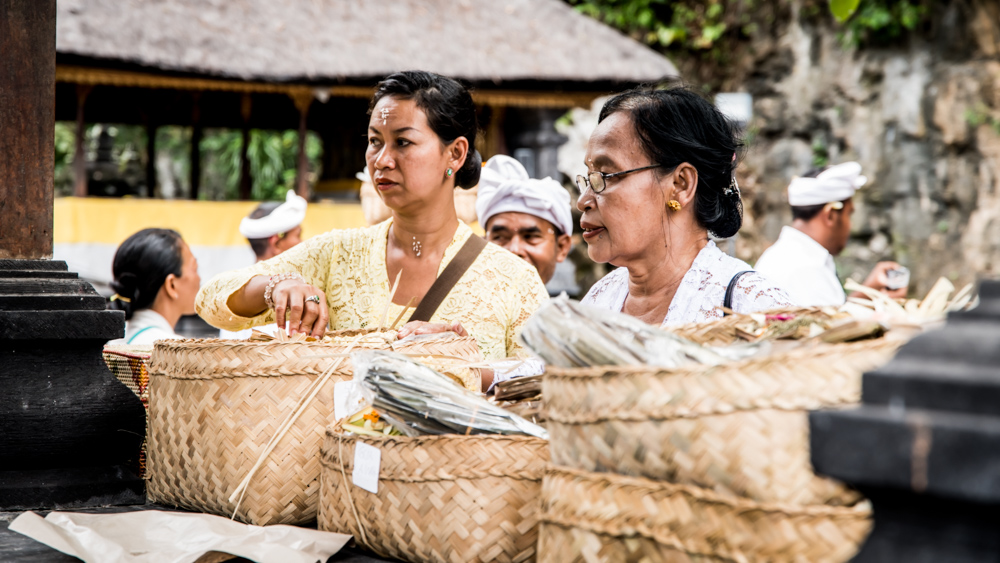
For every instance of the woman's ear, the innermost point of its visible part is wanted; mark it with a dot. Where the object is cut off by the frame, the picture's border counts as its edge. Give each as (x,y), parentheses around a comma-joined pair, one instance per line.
(458,151)
(685,184)
(170,286)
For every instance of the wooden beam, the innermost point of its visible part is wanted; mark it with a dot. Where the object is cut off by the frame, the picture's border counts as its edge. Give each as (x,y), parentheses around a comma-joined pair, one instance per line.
(79,150)
(150,158)
(246,182)
(27,122)
(302,102)
(196,134)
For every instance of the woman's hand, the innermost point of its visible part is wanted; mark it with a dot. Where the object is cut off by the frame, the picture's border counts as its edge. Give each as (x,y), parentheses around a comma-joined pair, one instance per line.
(422,327)
(304,305)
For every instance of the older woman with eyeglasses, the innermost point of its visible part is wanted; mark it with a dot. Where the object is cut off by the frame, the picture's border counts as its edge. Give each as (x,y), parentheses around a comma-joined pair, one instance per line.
(662,166)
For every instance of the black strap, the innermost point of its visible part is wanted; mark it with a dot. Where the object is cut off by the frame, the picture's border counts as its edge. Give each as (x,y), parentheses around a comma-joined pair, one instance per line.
(444,283)
(728,301)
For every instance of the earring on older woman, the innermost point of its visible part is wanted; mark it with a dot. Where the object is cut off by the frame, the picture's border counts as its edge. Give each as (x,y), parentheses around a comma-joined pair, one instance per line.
(674,205)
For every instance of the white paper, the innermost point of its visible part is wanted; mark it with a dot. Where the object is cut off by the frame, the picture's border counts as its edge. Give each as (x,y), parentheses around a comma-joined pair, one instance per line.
(152,536)
(347,399)
(366,466)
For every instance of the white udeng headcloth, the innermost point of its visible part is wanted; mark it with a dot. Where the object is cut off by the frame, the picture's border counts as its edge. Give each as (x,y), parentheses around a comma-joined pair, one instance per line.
(504,186)
(836,183)
(284,218)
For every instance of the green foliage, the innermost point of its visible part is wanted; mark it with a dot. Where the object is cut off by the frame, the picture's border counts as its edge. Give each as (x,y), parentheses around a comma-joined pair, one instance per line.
(881,21)
(981,115)
(273,158)
(703,25)
(843,9)
(272,155)
(694,24)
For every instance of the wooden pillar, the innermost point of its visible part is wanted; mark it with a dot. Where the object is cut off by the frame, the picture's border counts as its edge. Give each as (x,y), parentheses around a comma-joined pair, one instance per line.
(246,181)
(27,123)
(196,134)
(79,151)
(303,99)
(150,158)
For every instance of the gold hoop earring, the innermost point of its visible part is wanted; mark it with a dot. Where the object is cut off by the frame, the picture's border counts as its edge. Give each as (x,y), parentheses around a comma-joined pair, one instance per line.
(674,205)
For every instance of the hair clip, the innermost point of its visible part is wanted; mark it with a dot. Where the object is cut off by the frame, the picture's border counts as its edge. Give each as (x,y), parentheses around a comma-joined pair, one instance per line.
(733,188)
(117,297)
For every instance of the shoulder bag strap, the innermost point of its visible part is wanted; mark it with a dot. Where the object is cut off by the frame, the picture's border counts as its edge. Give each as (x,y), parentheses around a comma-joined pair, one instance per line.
(444,283)
(728,301)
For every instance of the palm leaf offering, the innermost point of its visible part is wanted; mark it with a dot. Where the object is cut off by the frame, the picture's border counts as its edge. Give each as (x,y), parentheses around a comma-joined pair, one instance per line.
(567,333)
(416,400)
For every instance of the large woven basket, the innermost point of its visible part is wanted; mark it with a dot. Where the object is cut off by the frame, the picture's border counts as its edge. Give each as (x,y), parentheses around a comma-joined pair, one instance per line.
(606,517)
(214,406)
(130,364)
(739,428)
(440,498)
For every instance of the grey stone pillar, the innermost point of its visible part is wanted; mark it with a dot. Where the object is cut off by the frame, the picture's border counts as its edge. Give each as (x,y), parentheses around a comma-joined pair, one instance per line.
(924,445)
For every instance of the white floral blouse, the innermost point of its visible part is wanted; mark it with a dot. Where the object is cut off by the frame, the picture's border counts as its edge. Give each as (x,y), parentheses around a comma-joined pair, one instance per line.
(702,291)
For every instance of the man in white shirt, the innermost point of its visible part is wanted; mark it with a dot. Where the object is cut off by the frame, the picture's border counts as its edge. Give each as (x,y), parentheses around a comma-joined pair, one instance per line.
(529,217)
(271,229)
(801,260)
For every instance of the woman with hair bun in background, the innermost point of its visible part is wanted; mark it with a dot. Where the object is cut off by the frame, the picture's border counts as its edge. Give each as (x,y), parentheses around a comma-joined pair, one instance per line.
(421,145)
(661,177)
(155,283)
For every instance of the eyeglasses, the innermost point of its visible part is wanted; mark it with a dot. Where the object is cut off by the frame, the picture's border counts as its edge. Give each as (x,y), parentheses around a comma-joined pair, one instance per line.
(598,181)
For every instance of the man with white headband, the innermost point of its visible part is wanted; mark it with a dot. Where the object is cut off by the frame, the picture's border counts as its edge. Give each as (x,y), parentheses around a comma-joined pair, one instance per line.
(272,228)
(801,260)
(528,217)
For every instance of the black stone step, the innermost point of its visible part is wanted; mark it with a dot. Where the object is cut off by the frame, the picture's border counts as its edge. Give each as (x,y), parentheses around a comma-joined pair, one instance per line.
(52,302)
(61,325)
(51,274)
(8,264)
(28,286)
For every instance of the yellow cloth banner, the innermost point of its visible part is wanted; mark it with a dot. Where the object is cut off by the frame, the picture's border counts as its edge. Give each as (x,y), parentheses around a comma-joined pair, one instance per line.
(201,223)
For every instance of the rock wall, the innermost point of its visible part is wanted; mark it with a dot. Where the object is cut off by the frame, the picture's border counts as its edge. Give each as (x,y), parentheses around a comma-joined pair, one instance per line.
(922,116)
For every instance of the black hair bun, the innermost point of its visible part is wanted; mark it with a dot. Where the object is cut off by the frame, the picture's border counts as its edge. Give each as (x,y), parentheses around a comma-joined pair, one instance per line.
(468,176)
(729,218)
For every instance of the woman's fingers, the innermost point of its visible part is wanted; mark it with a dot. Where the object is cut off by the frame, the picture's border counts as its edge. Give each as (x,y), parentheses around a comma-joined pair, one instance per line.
(422,327)
(319,328)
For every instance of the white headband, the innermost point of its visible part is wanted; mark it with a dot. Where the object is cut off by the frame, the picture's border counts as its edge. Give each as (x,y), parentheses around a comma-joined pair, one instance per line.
(284,218)
(504,186)
(836,183)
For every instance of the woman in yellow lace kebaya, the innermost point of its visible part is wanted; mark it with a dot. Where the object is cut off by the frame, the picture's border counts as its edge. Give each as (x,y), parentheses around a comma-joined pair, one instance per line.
(420,146)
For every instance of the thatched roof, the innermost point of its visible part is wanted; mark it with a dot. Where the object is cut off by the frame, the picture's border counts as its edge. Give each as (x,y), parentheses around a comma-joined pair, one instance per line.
(346,40)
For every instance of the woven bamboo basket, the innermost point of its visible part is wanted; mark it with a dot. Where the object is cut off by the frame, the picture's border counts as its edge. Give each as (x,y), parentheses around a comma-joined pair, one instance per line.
(130,364)
(725,331)
(215,405)
(440,498)
(739,429)
(606,517)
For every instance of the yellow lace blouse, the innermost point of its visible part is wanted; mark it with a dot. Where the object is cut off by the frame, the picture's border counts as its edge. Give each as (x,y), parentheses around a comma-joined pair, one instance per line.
(492,300)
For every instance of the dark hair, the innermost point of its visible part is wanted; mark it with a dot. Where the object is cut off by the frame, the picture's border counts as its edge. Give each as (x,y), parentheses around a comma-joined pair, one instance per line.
(259,245)
(677,125)
(141,265)
(807,212)
(450,113)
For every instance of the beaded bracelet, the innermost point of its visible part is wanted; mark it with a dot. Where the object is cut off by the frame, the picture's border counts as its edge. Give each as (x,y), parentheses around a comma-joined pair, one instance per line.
(275,280)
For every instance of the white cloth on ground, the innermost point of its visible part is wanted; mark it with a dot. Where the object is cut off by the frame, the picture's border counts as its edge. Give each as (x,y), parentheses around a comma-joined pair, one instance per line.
(504,187)
(284,218)
(804,268)
(702,290)
(145,327)
(153,536)
(836,183)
